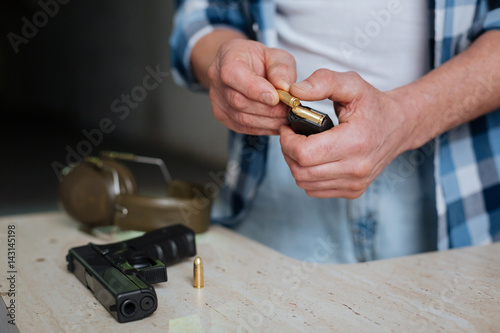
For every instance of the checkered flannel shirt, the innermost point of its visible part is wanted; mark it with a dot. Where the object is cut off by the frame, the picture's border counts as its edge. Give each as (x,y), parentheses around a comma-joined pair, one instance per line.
(467,158)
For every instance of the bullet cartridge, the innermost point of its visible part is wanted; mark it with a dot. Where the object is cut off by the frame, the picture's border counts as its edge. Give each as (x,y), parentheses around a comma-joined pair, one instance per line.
(288,99)
(198,281)
(308,113)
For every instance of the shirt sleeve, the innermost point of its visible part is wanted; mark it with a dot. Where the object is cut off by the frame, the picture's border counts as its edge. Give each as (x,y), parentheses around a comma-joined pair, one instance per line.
(193,20)
(490,21)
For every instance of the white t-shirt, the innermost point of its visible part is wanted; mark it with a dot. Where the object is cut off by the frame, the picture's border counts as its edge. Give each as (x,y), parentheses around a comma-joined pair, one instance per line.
(386,42)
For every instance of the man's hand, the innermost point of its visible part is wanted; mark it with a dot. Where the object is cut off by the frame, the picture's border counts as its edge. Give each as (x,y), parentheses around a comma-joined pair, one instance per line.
(377,126)
(343,161)
(242,77)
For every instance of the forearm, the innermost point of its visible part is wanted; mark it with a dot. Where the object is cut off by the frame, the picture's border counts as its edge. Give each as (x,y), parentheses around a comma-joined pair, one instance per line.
(205,50)
(458,91)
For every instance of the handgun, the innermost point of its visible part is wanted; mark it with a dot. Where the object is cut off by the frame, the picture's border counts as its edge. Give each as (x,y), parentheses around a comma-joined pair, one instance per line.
(304,120)
(121,274)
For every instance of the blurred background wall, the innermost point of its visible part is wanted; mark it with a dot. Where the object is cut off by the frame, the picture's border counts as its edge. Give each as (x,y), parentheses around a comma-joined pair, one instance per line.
(67,67)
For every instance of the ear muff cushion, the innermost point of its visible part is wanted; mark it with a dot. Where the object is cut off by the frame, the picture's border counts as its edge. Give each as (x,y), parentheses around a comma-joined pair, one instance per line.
(87,192)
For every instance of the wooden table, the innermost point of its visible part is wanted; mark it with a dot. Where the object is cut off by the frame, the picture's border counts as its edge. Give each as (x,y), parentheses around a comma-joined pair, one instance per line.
(251,288)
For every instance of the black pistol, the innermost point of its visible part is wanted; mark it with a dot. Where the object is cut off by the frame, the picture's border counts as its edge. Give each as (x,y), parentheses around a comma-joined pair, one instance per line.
(121,274)
(304,120)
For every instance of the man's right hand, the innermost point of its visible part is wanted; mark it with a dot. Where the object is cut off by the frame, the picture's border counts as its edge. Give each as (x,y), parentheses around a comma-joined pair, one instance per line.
(242,79)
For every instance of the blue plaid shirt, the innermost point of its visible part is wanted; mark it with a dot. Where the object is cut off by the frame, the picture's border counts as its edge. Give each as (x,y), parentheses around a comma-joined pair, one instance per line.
(467,158)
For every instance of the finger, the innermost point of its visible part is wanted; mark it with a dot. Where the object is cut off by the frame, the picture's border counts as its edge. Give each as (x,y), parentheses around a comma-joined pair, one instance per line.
(256,118)
(322,172)
(239,76)
(240,102)
(228,116)
(290,143)
(312,150)
(281,68)
(339,109)
(258,126)
(257,121)
(350,185)
(323,83)
(335,193)
(239,128)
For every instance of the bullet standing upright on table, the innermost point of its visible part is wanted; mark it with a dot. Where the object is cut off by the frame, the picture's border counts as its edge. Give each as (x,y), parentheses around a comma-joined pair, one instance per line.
(198,280)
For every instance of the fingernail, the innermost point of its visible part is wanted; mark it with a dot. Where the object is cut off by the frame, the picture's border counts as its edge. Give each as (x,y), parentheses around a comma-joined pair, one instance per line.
(285,84)
(304,86)
(268,98)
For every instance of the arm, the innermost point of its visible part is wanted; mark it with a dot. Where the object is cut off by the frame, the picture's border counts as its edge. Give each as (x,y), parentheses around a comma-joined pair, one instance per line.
(375,127)
(459,91)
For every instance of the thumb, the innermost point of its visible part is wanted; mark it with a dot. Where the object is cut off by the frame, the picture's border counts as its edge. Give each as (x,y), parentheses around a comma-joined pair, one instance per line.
(324,83)
(281,69)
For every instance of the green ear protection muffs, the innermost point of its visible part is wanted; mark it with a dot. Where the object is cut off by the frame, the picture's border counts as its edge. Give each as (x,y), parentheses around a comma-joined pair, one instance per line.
(102,191)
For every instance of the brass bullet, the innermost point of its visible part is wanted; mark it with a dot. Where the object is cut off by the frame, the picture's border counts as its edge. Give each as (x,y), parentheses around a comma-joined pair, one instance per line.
(300,110)
(198,273)
(308,113)
(288,99)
